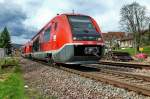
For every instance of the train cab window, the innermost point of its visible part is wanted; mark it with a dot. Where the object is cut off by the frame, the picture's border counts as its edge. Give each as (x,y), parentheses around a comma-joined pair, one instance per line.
(83,28)
(47,35)
(82,24)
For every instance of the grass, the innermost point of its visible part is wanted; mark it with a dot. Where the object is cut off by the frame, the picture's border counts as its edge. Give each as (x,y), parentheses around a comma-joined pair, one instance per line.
(12,83)
(12,88)
(147,50)
(131,51)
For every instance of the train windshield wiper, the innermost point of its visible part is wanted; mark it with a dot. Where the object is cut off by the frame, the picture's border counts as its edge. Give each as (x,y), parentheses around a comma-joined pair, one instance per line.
(86,30)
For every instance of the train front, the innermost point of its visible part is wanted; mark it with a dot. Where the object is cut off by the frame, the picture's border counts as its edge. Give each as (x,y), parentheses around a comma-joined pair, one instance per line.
(87,43)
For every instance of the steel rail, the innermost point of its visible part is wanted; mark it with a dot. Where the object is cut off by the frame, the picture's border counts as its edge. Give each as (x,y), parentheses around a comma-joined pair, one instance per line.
(123,64)
(122,73)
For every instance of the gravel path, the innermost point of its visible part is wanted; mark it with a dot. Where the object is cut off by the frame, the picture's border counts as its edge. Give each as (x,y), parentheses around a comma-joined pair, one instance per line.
(50,81)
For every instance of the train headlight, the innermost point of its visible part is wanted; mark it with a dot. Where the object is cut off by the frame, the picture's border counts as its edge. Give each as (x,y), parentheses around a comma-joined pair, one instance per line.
(99,39)
(74,38)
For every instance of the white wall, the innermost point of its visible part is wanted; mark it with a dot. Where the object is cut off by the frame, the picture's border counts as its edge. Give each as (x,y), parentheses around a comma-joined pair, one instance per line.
(2,53)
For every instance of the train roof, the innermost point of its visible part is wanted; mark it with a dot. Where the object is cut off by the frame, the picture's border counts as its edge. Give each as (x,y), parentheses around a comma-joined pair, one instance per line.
(73,14)
(66,14)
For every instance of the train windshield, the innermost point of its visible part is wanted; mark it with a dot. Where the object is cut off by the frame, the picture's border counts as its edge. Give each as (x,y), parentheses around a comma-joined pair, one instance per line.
(83,28)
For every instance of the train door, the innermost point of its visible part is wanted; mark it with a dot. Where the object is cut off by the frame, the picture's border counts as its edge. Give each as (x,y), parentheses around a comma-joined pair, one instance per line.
(46,39)
(36,45)
(54,35)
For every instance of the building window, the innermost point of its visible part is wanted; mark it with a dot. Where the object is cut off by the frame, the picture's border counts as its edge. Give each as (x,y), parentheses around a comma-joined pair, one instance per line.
(47,35)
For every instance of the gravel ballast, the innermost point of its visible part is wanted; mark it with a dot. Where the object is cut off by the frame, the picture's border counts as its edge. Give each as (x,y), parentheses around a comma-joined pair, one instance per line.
(50,81)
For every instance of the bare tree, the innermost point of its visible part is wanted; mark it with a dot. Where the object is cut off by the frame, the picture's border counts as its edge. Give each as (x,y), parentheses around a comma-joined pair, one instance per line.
(134,20)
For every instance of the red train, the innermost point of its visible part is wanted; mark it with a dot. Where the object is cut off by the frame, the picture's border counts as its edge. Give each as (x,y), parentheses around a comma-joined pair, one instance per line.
(68,39)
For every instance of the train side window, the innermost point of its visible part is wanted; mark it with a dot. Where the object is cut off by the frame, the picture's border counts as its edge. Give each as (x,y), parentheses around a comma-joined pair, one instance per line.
(47,35)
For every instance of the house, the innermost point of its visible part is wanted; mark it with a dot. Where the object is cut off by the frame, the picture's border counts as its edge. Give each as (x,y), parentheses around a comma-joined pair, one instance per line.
(113,35)
(112,38)
(124,40)
(127,41)
(118,39)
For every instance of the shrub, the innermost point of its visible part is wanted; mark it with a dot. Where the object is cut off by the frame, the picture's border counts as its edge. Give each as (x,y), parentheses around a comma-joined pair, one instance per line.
(8,62)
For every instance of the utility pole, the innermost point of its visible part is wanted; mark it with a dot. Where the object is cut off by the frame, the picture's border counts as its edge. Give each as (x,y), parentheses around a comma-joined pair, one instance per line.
(73,11)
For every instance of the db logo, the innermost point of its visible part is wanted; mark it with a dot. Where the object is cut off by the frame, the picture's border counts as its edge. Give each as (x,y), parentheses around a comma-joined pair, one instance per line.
(54,37)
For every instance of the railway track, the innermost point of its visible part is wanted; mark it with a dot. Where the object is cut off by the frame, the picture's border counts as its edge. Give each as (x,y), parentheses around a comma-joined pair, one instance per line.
(137,83)
(122,73)
(130,81)
(124,64)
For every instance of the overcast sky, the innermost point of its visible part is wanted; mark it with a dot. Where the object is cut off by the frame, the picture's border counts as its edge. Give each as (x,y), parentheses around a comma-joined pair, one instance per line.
(25,17)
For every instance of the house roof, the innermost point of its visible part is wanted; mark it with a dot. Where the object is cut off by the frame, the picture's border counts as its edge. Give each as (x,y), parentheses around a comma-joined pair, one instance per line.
(120,36)
(113,35)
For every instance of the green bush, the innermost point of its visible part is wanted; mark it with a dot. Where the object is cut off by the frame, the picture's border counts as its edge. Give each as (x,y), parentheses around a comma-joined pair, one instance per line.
(9,61)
